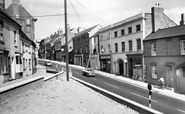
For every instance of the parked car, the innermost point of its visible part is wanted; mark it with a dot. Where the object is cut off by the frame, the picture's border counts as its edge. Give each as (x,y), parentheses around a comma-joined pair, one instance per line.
(48,63)
(88,72)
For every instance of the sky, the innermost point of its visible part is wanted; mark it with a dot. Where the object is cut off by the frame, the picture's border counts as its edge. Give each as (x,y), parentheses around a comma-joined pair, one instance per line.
(87,13)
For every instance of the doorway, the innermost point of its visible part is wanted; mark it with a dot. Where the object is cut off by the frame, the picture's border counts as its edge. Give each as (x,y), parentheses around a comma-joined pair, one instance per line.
(170,77)
(121,67)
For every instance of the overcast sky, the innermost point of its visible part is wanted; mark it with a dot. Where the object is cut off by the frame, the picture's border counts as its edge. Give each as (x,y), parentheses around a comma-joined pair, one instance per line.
(88,13)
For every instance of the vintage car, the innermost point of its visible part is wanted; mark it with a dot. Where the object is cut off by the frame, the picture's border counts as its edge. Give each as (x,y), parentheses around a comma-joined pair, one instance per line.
(88,72)
(48,63)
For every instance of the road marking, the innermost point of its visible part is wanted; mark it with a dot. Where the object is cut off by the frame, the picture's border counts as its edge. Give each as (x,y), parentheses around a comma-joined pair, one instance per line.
(111,85)
(77,72)
(181,110)
(94,78)
(141,96)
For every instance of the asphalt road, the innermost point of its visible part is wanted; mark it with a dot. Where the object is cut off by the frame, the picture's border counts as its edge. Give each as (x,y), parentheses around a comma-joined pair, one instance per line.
(160,102)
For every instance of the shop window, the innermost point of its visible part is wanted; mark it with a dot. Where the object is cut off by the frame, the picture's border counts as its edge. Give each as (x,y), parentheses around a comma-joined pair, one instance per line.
(154,71)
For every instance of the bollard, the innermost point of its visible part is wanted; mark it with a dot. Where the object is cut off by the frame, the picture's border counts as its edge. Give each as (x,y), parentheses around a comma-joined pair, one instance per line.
(150,93)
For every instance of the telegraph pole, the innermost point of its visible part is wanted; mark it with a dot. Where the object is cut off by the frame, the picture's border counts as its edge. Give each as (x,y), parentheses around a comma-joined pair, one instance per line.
(66,38)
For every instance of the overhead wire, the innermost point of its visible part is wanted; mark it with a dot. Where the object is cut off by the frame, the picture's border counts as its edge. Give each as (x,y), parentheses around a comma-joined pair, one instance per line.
(76,13)
(91,12)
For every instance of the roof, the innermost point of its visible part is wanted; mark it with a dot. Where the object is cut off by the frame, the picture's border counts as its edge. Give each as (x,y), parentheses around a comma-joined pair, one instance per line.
(167,33)
(86,30)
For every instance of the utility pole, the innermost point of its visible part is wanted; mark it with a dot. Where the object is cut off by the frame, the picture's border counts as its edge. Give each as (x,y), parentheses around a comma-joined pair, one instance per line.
(66,38)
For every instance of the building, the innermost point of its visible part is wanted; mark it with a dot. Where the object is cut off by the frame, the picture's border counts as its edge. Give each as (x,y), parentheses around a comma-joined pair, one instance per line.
(57,45)
(9,47)
(42,49)
(81,45)
(94,51)
(27,55)
(164,56)
(22,16)
(121,47)
(52,43)
(48,47)
(71,34)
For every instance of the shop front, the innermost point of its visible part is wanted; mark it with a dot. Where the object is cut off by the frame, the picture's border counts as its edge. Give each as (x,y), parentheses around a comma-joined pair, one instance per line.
(135,67)
(105,63)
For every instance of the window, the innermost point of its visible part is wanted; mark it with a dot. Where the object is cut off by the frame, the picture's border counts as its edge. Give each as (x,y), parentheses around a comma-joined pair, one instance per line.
(1,65)
(130,30)
(116,47)
(1,31)
(130,45)
(153,49)
(80,49)
(15,38)
(138,44)
(123,46)
(182,47)
(30,64)
(86,49)
(115,34)
(154,71)
(122,32)
(28,22)
(109,46)
(138,28)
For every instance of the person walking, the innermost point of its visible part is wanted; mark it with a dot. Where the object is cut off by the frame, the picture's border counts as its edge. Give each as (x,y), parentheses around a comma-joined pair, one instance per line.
(161,83)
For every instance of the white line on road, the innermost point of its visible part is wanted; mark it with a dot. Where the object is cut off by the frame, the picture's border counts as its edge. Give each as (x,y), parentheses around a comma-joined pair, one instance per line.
(77,72)
(94,78)
(181,110)
(141,96)
(111,85)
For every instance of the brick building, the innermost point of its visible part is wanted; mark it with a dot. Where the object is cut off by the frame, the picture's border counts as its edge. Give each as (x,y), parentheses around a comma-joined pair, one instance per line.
(81,45)
(164,56)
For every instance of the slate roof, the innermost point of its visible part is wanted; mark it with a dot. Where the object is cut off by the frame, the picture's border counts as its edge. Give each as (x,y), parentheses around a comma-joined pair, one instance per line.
(86,30)
(167,33)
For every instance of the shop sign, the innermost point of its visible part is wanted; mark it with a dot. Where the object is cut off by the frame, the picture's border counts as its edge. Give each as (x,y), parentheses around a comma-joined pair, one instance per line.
(105,57)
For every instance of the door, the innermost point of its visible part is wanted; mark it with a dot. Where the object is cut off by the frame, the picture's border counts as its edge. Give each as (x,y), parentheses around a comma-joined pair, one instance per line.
(170,76)
(121,67)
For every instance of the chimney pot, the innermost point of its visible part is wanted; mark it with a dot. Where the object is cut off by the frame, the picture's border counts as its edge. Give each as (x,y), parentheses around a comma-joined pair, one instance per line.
(182,19)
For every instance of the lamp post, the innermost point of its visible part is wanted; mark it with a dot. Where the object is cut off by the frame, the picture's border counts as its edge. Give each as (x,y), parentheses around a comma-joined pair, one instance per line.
(66,39)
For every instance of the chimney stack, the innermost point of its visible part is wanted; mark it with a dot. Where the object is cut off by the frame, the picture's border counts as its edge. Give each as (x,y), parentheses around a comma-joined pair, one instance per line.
(2,4)
(182,19)
(15,1)
(156,13)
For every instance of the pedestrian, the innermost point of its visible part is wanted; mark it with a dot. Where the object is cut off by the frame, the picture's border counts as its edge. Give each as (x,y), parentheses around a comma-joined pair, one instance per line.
(161,82)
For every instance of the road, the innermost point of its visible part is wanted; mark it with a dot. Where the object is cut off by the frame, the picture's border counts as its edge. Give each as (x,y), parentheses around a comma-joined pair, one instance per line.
(160,102)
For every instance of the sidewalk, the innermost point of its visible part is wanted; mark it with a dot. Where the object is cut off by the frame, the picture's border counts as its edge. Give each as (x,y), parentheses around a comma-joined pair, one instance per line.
(143,85)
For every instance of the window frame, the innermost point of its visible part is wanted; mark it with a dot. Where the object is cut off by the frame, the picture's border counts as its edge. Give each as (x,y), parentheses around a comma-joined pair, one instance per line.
(182,43)
(122,32)
(154,73)
(115,34)
(138,27)
(153,49)
(116,47)
(138,44)
(123,46)
(130,45)
(129,30)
